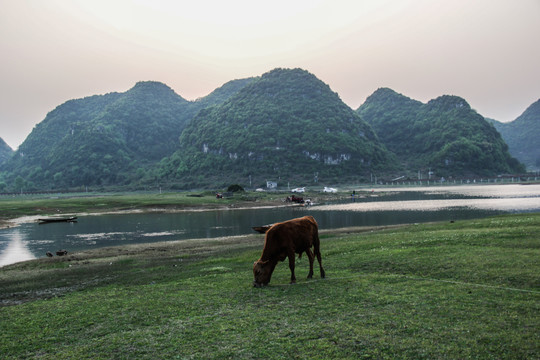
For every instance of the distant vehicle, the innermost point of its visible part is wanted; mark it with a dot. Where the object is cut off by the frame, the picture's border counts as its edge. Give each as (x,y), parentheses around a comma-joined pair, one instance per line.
(329,190)
(299,190)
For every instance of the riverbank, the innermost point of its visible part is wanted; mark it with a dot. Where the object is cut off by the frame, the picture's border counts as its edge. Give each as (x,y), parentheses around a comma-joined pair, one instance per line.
(468,289)
(18,209)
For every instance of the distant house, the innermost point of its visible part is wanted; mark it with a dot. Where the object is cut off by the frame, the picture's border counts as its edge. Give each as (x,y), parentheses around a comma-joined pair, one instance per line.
(271,185)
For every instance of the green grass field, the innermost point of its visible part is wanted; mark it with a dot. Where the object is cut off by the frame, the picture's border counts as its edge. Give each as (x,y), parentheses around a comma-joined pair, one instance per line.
(464,290)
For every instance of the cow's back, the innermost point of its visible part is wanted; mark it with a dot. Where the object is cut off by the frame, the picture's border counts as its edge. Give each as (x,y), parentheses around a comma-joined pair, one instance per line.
(299,234)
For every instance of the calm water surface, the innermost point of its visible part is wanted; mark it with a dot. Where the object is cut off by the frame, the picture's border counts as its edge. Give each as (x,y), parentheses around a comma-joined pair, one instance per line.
(395,206)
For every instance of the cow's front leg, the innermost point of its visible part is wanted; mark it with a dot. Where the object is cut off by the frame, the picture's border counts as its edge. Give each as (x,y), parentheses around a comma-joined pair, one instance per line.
(291,266)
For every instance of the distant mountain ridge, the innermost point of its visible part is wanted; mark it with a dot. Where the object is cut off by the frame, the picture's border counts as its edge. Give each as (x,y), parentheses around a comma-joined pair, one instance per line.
(521,135)
(285,125)
(444,136)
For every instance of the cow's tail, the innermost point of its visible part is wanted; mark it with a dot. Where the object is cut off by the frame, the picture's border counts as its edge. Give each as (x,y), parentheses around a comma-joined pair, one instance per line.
(317,250)
(316,243)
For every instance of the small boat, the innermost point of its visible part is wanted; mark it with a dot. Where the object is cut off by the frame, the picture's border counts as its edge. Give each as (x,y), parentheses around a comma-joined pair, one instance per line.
(262,229)
(57,219)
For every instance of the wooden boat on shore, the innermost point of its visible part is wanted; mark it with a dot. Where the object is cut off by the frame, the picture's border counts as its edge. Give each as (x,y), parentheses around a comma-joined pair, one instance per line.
(57,219)
(262,229)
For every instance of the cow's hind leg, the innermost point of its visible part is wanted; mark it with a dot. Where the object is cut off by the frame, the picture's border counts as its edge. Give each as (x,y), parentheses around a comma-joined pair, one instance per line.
(317,250)
(311,258)
(291,266)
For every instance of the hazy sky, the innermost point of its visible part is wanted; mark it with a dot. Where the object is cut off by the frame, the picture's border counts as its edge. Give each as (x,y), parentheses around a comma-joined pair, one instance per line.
(486,51)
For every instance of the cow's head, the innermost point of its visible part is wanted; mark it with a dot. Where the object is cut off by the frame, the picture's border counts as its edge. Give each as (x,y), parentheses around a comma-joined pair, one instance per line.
(262,272)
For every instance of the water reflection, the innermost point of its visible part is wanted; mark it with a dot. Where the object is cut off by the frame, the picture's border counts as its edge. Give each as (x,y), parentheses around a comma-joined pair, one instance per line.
(15,250)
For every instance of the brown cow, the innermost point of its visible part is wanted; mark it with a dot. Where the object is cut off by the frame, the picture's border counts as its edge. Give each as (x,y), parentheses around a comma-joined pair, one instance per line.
(284,240)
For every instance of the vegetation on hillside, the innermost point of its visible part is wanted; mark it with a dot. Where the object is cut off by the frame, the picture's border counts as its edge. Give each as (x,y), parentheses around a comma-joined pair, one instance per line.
(285,125)
(221,94)
(101,140)
(5,151)
(445,135)
(521,135)
(105,140)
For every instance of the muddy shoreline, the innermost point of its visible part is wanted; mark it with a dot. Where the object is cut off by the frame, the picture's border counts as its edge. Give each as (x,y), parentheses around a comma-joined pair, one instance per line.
(202,246)
(5,224)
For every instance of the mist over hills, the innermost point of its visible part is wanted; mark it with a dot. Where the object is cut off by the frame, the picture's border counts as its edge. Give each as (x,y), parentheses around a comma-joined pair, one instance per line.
(285,126)
(522,136)
(445,135)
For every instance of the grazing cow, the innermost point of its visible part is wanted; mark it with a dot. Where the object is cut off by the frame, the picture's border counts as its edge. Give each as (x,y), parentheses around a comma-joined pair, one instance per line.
(61,252)
(284,240)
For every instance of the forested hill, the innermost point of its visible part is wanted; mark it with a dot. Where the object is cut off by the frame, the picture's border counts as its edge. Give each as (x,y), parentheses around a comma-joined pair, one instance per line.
(5,151)
(101,139)
(445,135)
(389,112)
(111,139)
(286,126)
(521,135)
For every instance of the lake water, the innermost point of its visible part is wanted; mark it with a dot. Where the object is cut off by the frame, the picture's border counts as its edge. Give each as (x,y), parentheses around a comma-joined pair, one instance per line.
(383,206)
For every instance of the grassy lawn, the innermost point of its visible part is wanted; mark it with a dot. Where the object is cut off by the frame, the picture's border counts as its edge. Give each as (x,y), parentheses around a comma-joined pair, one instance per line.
(464,290)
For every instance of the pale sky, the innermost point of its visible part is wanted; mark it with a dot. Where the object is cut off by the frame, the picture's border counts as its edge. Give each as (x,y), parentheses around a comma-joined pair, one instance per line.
(51,51)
